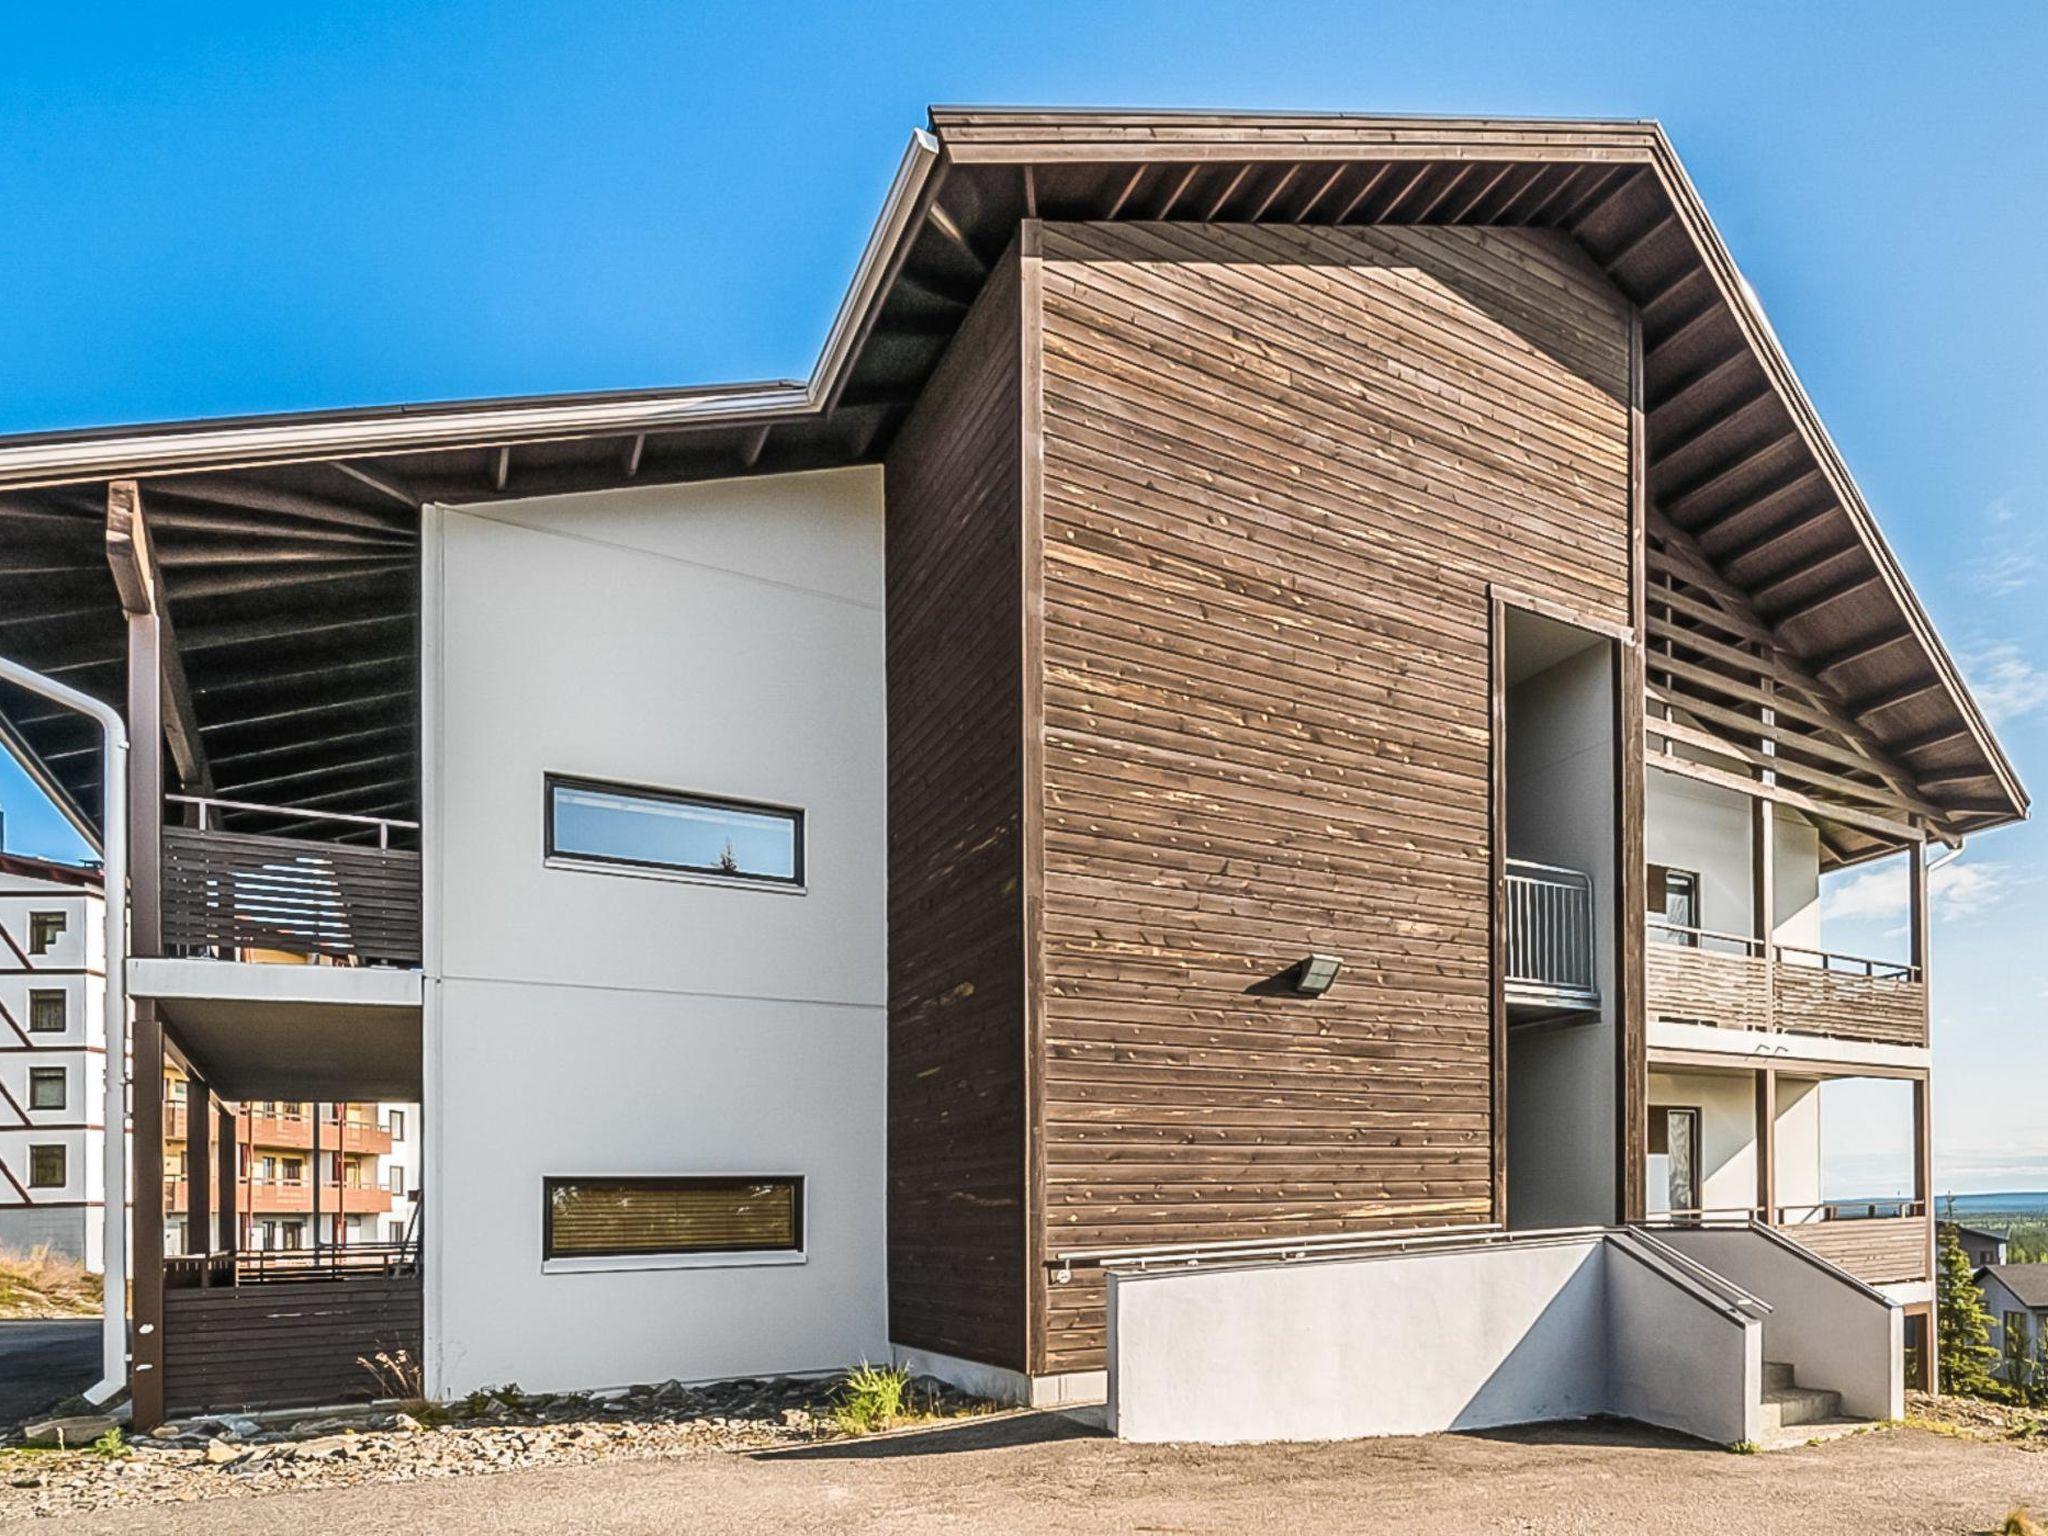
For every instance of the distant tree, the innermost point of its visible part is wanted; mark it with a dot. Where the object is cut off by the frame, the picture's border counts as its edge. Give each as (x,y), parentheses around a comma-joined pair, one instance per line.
(2027,1243)
(1963,1332)
(728,861)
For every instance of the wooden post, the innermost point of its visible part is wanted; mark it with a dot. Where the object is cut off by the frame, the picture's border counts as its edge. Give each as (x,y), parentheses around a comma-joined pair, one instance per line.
(145,869)
(198,1165)
(1763,878)
(1923,1187)
(315,1170)
(1917,875)
(1631,1007)
(1767,1143)
(228,1180)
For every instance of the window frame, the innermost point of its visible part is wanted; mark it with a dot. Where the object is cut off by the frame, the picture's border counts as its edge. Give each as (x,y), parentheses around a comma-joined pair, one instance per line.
(39,1150)
(41,938)
(557,858)
(42,1077)
(707,1258)
(43,996)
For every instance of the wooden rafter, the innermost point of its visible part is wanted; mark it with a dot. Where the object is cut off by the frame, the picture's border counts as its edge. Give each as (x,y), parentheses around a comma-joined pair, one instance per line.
(139,581)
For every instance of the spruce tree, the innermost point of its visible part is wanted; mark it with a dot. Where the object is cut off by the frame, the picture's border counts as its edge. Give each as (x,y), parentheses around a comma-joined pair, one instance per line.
(1963,1331)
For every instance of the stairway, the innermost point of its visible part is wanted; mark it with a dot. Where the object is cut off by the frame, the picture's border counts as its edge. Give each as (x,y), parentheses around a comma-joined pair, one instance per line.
(1787,1404)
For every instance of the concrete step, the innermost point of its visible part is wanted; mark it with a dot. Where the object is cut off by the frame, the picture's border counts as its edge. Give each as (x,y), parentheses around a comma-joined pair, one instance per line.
(1777,1375)
(1787,1406)
(1819,1431)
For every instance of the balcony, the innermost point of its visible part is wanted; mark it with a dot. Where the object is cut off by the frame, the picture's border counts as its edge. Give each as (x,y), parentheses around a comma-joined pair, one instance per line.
(291,1197)
(1698,976)
(248,895)
(292,1131)
(1881,1242)
(1550,951)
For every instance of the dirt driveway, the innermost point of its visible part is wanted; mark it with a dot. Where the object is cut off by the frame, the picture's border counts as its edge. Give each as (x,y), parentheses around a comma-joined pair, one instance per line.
(1044,1473)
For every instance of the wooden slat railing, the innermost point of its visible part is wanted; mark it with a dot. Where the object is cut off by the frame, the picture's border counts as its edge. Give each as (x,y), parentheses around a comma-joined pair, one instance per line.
(1696,976)
(227,892)
(1879,1250)
(280,1346)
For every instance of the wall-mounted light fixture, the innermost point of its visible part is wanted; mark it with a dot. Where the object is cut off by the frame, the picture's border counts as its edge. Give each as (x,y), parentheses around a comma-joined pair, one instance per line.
(1313,976)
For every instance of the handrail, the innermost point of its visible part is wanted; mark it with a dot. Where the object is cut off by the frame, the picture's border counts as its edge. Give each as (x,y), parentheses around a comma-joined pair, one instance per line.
(1482,1234)
(1897,1208)
(1752,946)
(209,803)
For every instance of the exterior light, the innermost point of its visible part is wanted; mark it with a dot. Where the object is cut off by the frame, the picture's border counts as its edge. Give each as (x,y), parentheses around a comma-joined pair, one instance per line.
(1313,976)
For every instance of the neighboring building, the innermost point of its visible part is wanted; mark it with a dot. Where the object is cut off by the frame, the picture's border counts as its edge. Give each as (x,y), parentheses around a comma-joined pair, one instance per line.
(52,1058)
(2016,1295)
(290,1194)
(1283,693)
(1980,1247)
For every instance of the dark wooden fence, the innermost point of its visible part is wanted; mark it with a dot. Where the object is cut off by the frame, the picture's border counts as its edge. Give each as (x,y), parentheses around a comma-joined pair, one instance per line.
(227,891)
(284,1345)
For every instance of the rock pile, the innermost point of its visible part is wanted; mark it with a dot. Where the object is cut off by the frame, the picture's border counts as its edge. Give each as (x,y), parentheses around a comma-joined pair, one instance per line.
(486,1432)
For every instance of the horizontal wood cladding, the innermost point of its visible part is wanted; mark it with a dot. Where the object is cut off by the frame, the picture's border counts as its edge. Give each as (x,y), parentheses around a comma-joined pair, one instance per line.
(957,1265)
(1281,468)
(290,1344)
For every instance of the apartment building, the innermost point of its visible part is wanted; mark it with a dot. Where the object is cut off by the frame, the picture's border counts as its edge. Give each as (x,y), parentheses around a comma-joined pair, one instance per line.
(52,1059)
(305,1175)
(1222,810)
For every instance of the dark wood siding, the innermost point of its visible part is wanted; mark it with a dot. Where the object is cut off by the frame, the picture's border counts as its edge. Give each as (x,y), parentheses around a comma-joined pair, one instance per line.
(285,1345)
(1281,469)
(957,1124)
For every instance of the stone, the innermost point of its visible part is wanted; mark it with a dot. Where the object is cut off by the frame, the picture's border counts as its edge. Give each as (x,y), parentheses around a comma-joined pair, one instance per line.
(73,1433)
(219,1453)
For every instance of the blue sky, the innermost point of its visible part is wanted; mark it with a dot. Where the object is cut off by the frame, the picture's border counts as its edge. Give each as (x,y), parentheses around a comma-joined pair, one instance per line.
(278,207)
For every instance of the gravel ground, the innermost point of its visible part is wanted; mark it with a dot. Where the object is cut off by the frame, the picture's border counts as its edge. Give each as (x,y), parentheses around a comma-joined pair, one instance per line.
(1045,1472)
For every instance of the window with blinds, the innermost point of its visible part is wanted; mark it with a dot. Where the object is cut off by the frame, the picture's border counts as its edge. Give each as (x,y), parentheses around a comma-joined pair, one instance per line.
(604,1218)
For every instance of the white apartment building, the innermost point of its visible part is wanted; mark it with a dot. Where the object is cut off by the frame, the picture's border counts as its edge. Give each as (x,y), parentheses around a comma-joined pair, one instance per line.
(52,1058)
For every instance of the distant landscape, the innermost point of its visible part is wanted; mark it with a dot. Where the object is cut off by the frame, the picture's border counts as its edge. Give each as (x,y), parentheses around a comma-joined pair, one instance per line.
(2022,1217)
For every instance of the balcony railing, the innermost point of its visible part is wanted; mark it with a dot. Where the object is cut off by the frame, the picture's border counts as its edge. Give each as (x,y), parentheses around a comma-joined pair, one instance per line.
(230,893)
(1732,981)
(1550,938)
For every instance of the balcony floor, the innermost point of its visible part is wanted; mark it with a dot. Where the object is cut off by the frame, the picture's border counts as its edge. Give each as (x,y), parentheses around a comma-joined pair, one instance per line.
(312,1032)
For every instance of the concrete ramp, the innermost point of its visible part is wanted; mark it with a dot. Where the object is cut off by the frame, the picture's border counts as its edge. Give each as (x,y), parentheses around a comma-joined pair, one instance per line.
(1419,1336)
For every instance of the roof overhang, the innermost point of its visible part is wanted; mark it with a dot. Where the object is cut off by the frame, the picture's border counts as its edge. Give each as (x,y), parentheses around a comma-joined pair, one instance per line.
(1740,464)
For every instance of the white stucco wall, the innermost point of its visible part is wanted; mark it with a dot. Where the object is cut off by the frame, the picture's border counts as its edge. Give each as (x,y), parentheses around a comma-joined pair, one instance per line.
(1728,1168)
(1704,828)
(722,638)
(1560,803)
(1341,1348)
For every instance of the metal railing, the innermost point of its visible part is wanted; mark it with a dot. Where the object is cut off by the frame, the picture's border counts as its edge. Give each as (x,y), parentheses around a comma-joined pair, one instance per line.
(1550,928)
(269,1266)
(229,892)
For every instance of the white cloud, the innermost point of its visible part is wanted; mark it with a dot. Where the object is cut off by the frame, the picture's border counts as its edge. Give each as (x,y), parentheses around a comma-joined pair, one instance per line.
(2000,573)
(1957,890)
(2007,684)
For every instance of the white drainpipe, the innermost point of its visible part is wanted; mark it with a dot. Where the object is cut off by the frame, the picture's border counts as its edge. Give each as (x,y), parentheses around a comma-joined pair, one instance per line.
(114,863)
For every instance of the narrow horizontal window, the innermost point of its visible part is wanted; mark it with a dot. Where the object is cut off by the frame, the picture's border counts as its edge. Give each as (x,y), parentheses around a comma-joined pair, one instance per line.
(663,829)
(603,1218)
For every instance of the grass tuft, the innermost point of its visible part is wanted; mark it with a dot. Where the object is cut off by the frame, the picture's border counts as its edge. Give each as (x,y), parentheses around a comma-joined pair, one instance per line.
(871,1398)
(111,1446)
(2019,1522)
(1746,1448)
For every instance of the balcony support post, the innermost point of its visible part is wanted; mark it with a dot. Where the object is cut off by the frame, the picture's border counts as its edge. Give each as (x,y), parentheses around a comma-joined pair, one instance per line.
(198,1166)
(145,832)
(227,1179)
(316,1177)
(1767,1143)
(1923,1186)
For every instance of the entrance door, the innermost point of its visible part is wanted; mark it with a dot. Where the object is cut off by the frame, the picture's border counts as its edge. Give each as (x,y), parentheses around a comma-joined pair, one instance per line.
(1674,1183)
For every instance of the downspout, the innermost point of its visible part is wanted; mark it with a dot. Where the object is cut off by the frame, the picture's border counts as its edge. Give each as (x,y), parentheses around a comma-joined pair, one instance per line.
(114,875)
